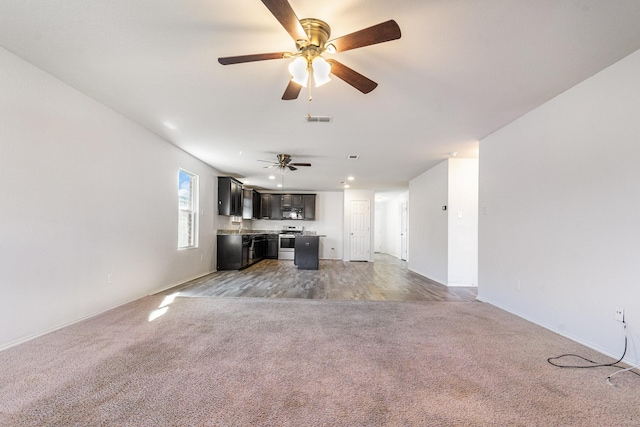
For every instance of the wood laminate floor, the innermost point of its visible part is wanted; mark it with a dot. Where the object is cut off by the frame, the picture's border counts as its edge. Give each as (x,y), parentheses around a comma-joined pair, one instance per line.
(386,279)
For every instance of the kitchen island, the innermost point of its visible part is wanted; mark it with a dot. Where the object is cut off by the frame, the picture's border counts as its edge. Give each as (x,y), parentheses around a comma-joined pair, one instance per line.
(306,252)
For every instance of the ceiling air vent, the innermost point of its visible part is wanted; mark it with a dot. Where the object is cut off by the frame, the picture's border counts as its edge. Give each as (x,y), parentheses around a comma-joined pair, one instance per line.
(319,119)
(353,156)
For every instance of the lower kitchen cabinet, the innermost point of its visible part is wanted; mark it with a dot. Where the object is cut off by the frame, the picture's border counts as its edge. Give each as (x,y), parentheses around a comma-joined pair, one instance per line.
(237,251)
(233,251)
(272,246)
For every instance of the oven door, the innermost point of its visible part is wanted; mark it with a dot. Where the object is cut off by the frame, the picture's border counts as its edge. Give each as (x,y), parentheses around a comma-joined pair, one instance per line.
(287,242)
(286,246)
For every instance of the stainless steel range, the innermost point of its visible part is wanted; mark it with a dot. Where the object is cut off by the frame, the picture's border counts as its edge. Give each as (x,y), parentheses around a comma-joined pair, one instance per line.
(287,239)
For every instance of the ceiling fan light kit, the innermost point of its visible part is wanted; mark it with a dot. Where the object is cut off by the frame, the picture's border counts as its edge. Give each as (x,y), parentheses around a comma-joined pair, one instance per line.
(321,70)
(299,71)
(311,37)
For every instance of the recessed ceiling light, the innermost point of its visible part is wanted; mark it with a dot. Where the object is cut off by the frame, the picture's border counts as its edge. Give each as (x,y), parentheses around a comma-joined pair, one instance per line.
(279,185)
(353,156)
(346,186)
(272,177)
(343,182)
(350,178)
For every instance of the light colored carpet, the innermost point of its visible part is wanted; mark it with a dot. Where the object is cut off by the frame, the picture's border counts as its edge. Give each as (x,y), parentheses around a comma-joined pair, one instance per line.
(254,362)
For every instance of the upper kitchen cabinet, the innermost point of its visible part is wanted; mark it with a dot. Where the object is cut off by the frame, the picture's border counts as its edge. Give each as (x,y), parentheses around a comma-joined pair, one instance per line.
(286,200)
(287,206)
(265,206)
(256,204)
(297,201)
(229,196)
(251,204)
(276,206)
(309,207)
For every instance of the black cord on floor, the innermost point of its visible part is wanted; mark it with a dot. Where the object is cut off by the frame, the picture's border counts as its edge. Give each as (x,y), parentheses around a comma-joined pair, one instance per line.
(593,363)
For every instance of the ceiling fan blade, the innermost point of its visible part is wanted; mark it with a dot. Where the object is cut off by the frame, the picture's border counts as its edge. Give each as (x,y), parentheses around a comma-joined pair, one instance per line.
(251,58)
(352,77)
(292,91)
(284,13)
(291,168)
(383,32)
(301,164)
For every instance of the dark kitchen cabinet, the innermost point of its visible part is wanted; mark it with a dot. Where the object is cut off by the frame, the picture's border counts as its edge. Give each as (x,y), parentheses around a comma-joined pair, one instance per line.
(287,206)
(229,196)
(233,251)
(272,246)
(297,201)
(256,204)
(276,206)
(265,206)
(251,204)
(309,208)
(292,201)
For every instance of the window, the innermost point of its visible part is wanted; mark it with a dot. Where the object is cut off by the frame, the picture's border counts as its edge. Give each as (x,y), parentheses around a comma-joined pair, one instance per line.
(187,209)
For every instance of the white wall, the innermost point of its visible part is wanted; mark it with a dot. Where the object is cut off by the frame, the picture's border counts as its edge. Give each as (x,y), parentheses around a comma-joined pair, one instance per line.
(560,211)
(429,241)
(87,193)
(463,222)
(444,243)
(329,222)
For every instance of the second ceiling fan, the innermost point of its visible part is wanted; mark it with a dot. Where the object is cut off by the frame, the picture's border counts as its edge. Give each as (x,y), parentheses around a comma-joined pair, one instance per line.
(312,41)
(284,162)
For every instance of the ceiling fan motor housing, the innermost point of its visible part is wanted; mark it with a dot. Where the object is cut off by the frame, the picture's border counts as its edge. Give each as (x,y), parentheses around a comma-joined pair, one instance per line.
(318,32)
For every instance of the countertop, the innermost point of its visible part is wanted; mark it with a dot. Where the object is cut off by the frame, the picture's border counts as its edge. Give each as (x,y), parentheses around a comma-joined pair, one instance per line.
(258,232)
(248,232)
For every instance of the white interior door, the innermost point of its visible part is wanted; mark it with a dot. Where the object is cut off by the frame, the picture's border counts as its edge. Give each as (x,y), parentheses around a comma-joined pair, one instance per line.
(360,234)
(403,232)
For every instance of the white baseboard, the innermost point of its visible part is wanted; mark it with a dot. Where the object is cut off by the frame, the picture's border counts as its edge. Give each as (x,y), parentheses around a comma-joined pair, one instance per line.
(111,307)
(592,346)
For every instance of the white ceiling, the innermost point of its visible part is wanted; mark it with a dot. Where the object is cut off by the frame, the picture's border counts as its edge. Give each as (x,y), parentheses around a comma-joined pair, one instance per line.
(461,70)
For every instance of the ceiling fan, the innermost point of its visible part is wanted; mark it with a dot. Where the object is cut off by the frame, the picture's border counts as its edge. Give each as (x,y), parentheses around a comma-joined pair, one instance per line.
(310,36)
(284,162)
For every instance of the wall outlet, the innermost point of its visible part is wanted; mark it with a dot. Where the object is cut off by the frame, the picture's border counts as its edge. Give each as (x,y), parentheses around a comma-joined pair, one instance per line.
(110,279)
(619,316)
(518,285)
